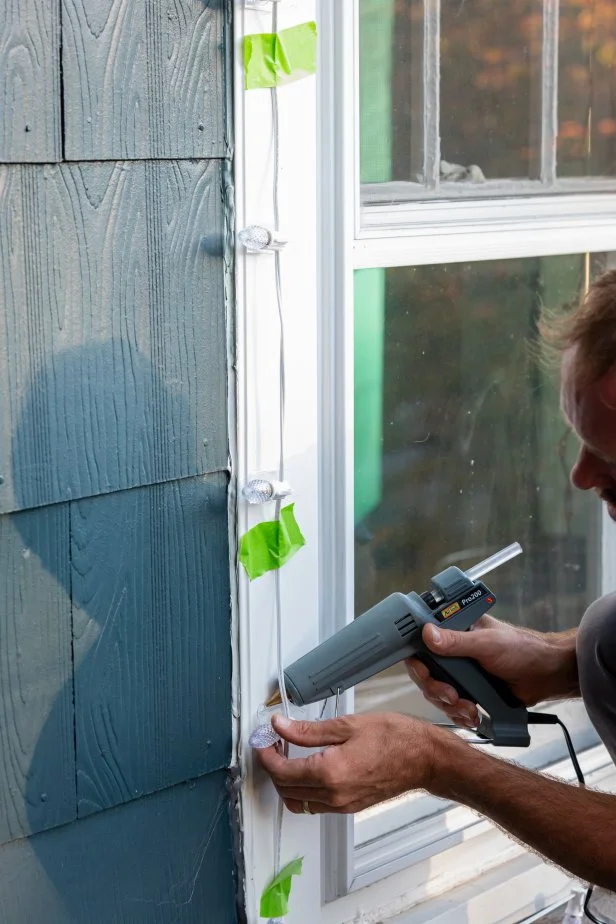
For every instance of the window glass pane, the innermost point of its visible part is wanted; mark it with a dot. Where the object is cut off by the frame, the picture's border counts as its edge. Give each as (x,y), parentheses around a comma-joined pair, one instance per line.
(490,75)
(460,447)
(490,78)
(587,88)
(459,96)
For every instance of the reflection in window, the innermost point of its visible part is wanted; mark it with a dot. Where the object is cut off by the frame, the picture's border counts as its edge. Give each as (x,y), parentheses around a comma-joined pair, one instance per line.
(460,447)
(465,92)
(490,78)
(587,89)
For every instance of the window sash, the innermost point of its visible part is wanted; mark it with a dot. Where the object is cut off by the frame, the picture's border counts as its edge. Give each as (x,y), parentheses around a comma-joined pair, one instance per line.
(353,237)
(398,193)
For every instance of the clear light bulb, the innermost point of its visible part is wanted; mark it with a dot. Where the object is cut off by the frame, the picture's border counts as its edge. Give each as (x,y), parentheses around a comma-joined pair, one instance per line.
(257,239)
(260,490)
(263,737)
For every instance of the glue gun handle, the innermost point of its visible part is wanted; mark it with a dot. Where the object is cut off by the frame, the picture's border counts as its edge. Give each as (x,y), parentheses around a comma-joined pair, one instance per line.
(469,679)
(505,721)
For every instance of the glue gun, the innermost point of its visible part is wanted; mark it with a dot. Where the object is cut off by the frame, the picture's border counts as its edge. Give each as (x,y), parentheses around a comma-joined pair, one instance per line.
(391,631)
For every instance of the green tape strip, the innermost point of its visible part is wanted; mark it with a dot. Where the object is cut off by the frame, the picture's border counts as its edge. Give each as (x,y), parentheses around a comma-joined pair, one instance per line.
(270,545)
(275,897)
(273,59)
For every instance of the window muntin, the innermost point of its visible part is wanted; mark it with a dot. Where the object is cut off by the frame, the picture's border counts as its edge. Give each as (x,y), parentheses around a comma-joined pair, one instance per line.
(477,98)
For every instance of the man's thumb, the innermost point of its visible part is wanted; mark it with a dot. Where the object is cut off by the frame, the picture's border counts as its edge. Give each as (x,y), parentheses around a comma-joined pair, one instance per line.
(311,734)
(455,644)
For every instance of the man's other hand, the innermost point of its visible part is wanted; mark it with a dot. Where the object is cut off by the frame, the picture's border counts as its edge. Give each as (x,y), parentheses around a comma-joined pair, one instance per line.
(536,666)
(367,759)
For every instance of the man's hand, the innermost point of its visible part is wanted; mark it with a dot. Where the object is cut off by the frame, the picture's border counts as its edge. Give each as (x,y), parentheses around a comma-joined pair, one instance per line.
(367,759)
(372,758)
(537,666)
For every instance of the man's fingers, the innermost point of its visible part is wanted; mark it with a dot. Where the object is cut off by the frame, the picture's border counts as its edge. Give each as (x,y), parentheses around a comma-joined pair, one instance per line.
(312,734)
(432,689)
(305,794)
(417,671)
(458,644)
(443,696)
(316,808)
(302,771)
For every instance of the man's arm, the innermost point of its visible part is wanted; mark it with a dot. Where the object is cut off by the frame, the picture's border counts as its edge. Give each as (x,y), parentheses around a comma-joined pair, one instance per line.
(372,758)
(569,825)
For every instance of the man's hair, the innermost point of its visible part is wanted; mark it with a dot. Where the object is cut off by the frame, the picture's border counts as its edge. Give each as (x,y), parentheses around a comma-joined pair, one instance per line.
(590,328)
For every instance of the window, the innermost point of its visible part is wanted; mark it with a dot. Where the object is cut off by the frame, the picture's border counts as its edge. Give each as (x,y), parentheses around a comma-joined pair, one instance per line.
(479,98)
(459,449)
(418,431)
(470,208)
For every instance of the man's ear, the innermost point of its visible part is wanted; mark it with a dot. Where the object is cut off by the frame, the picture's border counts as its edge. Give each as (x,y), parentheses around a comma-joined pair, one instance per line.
(607,388)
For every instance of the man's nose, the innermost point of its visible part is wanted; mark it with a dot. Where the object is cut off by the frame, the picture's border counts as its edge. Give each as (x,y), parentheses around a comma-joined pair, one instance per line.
(589,472)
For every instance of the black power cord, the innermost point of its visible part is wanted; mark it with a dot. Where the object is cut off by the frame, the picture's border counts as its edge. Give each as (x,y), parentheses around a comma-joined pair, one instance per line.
(546,718)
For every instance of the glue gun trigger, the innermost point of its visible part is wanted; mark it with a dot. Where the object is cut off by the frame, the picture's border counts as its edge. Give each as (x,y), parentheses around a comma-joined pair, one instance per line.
(439,673)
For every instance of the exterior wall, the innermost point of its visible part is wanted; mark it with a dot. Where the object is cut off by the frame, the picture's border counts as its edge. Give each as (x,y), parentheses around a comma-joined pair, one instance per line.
(115,652)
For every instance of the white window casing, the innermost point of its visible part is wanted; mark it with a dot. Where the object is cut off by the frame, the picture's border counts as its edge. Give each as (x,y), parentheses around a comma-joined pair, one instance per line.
(418,872)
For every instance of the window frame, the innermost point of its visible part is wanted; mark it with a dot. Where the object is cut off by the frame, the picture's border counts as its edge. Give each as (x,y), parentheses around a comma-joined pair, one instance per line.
(405,234)
(326,243)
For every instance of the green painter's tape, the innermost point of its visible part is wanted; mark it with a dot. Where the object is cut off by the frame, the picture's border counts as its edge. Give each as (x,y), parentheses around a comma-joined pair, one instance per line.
(273,59)
(270,545)
(275,897)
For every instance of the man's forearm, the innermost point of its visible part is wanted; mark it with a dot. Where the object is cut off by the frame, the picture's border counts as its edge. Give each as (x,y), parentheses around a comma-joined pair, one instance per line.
(561,663)
(569,825)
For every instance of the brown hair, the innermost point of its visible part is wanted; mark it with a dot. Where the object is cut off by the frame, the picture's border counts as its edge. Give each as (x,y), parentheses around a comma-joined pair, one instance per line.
(590,328)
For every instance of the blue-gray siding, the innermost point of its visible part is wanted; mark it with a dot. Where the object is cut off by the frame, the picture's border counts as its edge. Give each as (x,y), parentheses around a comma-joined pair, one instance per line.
(165,858)
(112,335)
(115,651)
(30,88)
(131,80)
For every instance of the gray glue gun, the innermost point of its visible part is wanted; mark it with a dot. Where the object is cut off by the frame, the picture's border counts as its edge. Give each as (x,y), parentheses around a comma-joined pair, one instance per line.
(391,631)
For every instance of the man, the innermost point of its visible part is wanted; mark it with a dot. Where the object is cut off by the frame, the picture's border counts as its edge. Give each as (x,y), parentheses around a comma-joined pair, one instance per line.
(371,758)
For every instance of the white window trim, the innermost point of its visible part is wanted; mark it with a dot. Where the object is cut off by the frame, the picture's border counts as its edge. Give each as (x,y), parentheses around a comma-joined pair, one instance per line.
(257,398)
(316,463)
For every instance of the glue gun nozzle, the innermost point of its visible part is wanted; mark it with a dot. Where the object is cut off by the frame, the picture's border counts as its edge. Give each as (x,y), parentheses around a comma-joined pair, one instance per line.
(274,700)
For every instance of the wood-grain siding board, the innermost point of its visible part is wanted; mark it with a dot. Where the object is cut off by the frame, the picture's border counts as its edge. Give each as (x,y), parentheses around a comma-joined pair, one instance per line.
(112,333)
(164,859)
(37,761)
(152,638)
(30,99)
(144,79)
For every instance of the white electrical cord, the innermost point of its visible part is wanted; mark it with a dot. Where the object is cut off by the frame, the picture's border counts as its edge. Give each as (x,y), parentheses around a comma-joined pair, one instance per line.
(281,460)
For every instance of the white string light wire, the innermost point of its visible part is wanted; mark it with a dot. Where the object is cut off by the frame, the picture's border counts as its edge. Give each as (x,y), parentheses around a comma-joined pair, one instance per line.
(281,461)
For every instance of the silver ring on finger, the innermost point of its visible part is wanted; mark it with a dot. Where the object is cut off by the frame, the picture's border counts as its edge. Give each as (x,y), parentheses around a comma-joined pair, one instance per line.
(306,808)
